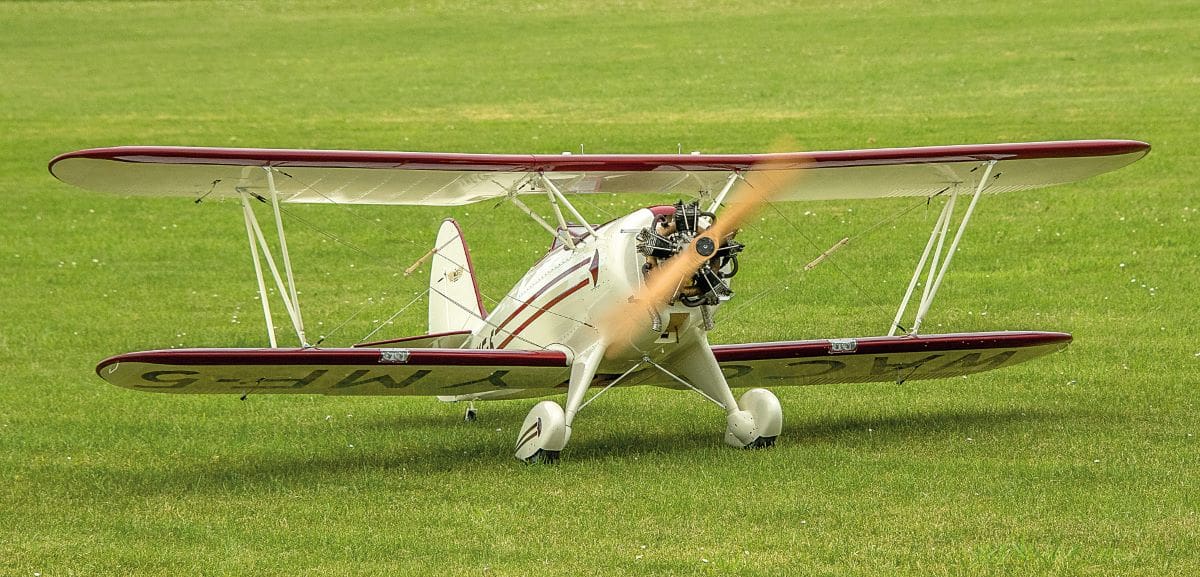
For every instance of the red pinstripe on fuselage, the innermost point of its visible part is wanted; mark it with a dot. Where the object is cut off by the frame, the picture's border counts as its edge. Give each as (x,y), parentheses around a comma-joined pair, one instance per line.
(525,303)
(562,298)
(563,301)
(541,308)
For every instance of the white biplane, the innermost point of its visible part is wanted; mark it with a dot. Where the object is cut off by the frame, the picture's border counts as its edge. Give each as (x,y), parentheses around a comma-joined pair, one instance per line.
(628,302)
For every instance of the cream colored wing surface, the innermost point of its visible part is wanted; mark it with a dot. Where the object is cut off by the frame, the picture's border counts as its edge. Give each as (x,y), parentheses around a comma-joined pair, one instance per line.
(319,177)
(931,178)
(881,359)
(359,371)
(419,178)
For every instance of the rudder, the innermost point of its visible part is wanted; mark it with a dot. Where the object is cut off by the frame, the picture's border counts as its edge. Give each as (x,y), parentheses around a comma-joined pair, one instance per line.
(455,303)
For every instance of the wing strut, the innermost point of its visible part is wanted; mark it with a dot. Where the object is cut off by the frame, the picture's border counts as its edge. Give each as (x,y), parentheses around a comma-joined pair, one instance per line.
(565,236)
(556,193)
(258,241)
(940,228)
(248,217)
(287,261)
(716,203)
(562,222)
(557,201)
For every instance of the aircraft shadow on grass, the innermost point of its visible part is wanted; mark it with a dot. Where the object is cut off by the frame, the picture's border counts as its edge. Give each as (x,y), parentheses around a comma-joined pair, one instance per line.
(481,451)
(850,431)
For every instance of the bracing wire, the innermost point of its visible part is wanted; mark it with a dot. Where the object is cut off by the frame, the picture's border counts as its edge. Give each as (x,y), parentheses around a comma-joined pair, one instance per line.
(858,287)
(293,215)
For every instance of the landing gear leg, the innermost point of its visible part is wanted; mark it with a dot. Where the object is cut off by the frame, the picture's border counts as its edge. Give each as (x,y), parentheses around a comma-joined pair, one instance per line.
(755,421)
(547,428)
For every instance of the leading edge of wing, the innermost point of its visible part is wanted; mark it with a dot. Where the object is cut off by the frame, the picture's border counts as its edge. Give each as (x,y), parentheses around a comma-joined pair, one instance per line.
(528,163)
(357,371)
(881,359)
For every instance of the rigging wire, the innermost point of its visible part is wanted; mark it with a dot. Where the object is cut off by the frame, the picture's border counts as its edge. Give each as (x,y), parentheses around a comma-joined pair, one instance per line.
(293,215)
(780,288)
(393,317)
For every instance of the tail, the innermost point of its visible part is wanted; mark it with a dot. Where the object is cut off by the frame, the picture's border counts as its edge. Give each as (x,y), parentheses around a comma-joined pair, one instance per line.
(454,300)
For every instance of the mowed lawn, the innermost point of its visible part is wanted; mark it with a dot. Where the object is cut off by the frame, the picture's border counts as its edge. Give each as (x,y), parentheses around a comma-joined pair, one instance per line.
(1082,463)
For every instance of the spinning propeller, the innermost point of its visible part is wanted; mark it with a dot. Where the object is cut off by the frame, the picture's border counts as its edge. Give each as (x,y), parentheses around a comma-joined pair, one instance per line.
(692,264)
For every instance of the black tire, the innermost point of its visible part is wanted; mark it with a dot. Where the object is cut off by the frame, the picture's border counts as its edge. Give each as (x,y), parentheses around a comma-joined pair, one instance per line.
(762,443)
(543,457)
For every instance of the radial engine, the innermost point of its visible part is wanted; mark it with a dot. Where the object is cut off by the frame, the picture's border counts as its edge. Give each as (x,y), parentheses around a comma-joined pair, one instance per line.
(671,233)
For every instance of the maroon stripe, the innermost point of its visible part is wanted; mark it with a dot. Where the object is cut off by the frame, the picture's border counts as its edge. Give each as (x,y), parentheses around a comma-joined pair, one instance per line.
(534,431)
(470,269)
(888,345)
(319,357)
(408,339)
(550,284)
(599,162)
(543,309)
(594,268)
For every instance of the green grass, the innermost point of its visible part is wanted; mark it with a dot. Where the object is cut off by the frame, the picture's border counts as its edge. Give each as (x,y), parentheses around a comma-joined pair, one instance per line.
(1082,463)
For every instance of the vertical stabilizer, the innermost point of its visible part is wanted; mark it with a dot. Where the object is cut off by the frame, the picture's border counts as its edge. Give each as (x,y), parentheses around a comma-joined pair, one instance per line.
(454,300)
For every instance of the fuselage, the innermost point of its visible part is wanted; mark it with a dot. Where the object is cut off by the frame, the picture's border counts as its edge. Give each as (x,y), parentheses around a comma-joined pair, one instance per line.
(566,298)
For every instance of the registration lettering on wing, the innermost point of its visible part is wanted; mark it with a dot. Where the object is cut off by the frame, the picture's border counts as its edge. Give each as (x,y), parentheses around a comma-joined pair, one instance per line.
(837,346)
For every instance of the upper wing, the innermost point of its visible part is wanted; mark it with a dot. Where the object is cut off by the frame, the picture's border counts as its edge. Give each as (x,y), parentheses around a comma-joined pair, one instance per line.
(360,371)
(356,177)
(880,359)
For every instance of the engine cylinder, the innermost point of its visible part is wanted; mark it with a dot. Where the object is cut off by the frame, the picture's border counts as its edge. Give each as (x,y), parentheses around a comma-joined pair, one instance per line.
(672,233)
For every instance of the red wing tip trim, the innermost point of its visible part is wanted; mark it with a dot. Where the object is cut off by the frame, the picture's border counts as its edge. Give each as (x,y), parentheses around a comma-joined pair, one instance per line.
(319,357)
(888,345)
(598,162)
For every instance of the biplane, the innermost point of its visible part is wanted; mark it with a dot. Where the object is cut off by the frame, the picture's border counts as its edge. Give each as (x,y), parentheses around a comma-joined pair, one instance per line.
(622,303)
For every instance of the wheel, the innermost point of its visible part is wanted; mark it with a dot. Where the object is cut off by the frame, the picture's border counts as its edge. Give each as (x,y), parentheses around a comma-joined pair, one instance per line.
(543,457)
(758,423)
(762,443)
(471,416)
(543,434)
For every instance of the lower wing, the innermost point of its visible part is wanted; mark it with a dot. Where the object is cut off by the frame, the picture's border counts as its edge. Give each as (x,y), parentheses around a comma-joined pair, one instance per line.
(880,359)
(357,371)
(513,373)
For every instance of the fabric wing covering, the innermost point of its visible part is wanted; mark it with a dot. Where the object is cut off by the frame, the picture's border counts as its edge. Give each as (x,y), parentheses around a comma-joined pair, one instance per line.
(445,179)
(369,371)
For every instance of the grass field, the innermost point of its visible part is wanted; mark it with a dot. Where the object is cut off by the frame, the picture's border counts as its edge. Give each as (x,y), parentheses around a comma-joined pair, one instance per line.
(1082,463)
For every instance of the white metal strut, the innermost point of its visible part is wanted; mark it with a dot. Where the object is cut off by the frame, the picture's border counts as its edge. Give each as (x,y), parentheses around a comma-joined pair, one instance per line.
(258,242)
(557,201)
(716,203)
(248,217)
(287,261)
(940,229)
(563,199)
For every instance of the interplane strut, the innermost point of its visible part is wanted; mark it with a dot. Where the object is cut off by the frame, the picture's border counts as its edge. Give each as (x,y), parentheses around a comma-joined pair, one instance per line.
(940,228)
